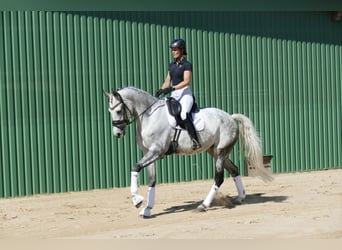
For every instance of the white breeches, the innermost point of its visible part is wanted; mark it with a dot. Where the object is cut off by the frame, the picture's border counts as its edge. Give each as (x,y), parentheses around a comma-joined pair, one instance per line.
(186,101)
(185,98)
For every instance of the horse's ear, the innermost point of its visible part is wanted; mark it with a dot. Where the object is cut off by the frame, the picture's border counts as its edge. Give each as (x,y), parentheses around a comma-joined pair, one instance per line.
(106,94)
(115,93)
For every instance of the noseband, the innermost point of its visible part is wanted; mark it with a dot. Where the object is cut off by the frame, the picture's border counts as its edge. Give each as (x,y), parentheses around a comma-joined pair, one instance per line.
(121,124)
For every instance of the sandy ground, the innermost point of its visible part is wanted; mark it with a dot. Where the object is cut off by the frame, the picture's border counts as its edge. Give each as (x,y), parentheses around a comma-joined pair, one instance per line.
(301,205)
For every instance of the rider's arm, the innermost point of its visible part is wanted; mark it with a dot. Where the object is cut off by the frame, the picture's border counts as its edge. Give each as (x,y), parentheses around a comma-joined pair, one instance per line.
(167,81)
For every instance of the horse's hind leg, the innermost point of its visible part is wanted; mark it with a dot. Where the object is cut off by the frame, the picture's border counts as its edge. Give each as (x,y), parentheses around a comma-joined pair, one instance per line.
(219,178)
(234,172)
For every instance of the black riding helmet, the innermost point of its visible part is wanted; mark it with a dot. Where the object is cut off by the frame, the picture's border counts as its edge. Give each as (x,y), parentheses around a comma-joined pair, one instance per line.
(179,44)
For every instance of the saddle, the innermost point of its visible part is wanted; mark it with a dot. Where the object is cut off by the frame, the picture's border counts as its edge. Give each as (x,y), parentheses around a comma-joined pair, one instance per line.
(175,108)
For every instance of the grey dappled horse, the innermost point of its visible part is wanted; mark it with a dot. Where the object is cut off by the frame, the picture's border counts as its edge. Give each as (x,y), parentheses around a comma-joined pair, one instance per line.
(154,136)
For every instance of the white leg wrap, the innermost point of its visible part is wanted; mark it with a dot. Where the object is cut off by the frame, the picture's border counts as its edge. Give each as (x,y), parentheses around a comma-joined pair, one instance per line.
(134,183)
(150,197)
(210,197)
(137,199)
(239,187)
(146,211)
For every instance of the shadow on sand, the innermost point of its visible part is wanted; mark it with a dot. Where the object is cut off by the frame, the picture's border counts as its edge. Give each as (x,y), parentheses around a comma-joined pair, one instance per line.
(222,201)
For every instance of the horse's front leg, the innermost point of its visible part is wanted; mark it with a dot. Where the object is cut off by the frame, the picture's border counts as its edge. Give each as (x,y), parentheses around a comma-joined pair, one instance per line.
(149,158)
(146,211)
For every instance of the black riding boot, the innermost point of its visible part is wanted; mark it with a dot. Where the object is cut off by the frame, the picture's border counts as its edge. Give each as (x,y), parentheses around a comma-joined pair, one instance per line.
(189,126)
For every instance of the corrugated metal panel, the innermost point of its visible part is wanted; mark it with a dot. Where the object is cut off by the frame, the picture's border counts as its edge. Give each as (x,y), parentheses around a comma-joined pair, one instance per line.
(55,130)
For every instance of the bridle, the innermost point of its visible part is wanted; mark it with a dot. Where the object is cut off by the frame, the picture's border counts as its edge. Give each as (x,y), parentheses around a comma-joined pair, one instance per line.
(125,121)
(121,124)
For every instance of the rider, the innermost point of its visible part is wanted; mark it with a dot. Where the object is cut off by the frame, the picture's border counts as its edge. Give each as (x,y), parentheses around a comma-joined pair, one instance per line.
(179,72)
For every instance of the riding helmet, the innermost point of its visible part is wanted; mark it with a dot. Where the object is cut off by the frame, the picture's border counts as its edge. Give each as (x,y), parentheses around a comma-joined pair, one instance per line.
(179,44)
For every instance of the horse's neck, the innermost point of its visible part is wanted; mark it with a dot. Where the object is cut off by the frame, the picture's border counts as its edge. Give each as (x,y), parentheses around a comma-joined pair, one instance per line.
(139,101)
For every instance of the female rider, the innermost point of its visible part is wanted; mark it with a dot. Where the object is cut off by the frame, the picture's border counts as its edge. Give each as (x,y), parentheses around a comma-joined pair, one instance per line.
(179,73)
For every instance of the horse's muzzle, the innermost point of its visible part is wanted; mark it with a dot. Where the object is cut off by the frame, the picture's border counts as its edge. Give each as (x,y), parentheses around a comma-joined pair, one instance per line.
(119,133)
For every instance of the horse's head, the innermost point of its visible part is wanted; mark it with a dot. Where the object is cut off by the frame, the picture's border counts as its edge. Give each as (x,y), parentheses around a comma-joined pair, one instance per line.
(119,113)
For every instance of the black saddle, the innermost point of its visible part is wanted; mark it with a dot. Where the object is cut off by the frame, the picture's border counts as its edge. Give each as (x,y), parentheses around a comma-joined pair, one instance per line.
(173,106)
(175,109)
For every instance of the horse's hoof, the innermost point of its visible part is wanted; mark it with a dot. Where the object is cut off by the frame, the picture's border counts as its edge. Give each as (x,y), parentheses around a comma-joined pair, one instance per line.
(201,208)
(137,200)
(238,200)
(145,213)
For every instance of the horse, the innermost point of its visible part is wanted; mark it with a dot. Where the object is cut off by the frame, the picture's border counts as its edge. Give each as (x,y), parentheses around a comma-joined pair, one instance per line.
(154,136)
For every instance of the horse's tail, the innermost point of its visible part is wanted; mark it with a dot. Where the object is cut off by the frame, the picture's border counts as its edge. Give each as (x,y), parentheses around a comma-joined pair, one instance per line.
(251,146)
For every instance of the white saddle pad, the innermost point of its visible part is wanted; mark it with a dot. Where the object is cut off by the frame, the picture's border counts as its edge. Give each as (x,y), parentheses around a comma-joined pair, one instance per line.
(196,117)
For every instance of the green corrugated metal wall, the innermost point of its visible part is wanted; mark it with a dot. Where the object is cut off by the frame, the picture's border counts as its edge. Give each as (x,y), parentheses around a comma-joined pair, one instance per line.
(283,70)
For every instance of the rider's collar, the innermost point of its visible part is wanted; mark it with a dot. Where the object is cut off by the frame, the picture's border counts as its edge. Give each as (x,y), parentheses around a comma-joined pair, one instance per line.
(180,61)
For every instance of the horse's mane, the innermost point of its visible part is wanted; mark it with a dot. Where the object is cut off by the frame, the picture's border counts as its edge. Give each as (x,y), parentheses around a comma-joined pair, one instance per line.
(141,93)
(137,97)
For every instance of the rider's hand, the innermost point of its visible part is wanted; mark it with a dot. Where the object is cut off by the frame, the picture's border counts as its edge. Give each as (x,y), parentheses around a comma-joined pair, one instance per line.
(164,91)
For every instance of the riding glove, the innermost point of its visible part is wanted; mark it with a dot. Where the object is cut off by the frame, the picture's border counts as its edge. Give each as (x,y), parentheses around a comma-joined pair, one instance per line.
(165,91)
